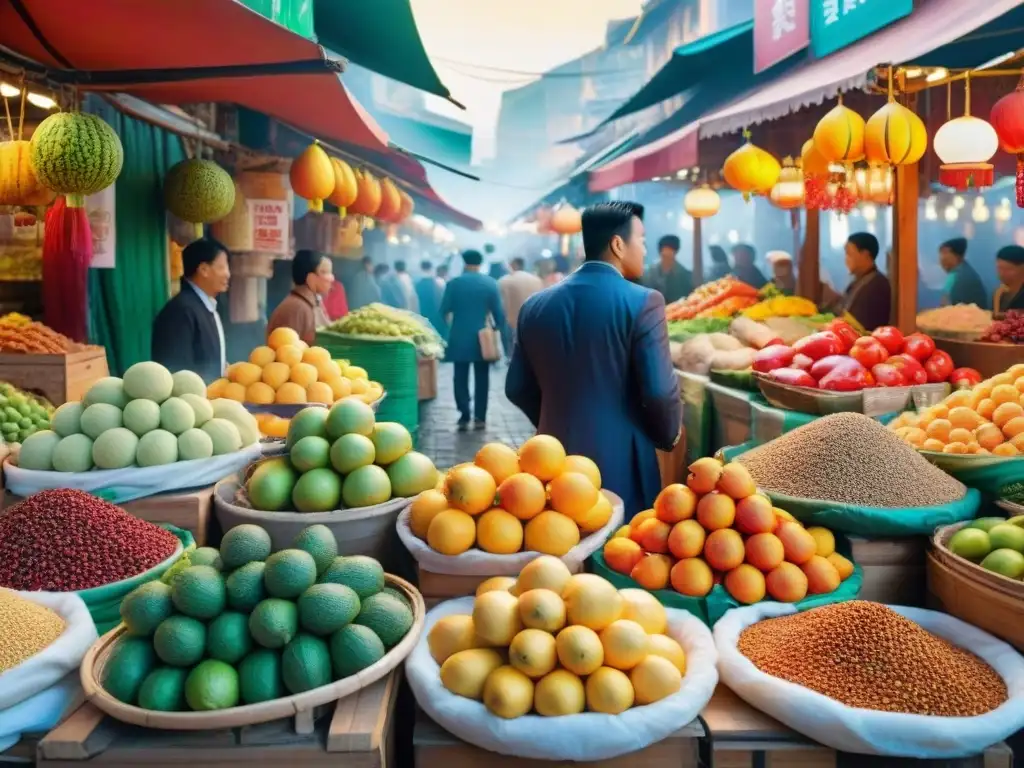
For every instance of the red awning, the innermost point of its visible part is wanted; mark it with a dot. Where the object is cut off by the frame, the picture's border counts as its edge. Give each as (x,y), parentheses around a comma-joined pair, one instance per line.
(119,35)
(661,158)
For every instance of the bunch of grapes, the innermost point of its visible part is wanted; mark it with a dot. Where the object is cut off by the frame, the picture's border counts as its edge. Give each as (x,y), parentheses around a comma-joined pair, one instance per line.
(1009,330)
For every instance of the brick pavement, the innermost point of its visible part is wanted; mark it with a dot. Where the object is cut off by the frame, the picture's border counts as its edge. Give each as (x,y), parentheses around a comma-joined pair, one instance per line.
(438,437)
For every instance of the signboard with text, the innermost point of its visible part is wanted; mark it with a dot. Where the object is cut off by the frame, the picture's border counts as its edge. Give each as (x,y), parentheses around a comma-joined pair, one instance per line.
(781,28)
(836,24)
(270,222)
(101,209)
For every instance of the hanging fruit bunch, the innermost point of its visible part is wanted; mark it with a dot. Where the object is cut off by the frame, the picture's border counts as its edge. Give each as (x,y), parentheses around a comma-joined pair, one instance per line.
(751,170)
(369,195)
(408,205)
(19,184)
(788,191)
(390,202)
(312,176)
(345,190)
(199,191)
(1007,118)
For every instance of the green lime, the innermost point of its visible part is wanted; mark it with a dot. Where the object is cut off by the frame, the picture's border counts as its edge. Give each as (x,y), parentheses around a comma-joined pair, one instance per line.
(212,685)
(1006,536)
(971,543)
(1006,562)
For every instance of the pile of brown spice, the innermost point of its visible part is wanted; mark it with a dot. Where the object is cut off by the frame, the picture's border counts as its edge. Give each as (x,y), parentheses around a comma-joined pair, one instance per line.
(866,655)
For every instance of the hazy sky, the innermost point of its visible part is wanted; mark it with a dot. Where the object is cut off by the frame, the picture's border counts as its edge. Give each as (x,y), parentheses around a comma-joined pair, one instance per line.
(468,40)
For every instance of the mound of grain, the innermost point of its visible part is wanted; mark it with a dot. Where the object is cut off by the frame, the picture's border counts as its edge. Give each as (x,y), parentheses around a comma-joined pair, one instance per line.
(864,654)
(852,459)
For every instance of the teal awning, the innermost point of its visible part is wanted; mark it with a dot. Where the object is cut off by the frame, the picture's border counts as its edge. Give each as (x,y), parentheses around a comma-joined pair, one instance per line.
(295,16)
(444,145)
(380,35)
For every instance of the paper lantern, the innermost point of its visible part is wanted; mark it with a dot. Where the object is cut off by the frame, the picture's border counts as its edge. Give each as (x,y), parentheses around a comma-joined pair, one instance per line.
(345,189)
(702,202)
(788,191)
(751,169)
(566,220)
(874,184)
(312,176)
(965,145)
(894,135)
(1007,118)
(839,135)
(368,200)
(408,206)
(812,161)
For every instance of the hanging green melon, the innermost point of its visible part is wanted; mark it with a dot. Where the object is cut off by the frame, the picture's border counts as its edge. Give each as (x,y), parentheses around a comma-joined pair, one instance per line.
(76,155)
(199,191)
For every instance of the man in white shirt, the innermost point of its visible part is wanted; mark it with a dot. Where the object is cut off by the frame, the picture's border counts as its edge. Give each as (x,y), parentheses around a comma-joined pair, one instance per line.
(515,288)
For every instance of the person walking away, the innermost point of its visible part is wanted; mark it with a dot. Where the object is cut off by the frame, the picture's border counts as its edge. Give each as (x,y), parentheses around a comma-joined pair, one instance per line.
(591,363)
(390,291)
(468,301)
(515,288)
(442,275)
(783,276)
(187,333)
(429,293)
(719,266)
(363,288)
(963,283)
(1010,268)
(670,278)
(404,280)
(868,297)
(303,309)
(745,269)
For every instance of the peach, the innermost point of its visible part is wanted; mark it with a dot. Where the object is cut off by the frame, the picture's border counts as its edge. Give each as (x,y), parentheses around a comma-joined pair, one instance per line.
(842,564)
(652,535)
(675,503)
(765,551)
(652,572)
(622,554)
(639,517)
(704,475)
(692,577)
(724,549)
(824,539)
(623,531)
(736,481)
(686,539)
(787,583)
(1006,412)
(745,583)
(715,511)
(822,576)
(754,515)
(798,544)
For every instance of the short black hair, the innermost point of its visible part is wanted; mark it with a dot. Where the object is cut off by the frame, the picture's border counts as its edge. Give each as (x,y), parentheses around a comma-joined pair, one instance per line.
(957,246)
(518,263)
(380,269)
(304,264)
(399,266)
(202,251)
(745,248)
(669,241)
(718,254)
(864,241)
(604,221)
(366,261)
(1014,254)
(472,258)
(426,266)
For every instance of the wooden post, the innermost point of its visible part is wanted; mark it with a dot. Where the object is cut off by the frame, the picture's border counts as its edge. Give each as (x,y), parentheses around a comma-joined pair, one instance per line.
(903,275)
(809,278)
(698,254)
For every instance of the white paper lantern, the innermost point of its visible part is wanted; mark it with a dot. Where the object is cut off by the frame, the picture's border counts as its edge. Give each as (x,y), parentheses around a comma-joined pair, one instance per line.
(702,202)
(965,145)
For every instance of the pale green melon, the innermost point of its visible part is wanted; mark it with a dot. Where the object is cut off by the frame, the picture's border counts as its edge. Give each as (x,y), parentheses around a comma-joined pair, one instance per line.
(115,448)
(141,416)
(155,448)
(188,383)
(176,415)
(224,435)
(67,419)
(76,153)
(37,450)
(200,406)
(98,418)
(198,191)
(148,381)
(73,454)
(194,444)
(106,390)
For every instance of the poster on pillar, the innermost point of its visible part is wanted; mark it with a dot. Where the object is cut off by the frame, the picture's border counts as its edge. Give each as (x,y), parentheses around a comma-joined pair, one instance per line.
(836,24)
(101,210)
(781,28)
(271,220)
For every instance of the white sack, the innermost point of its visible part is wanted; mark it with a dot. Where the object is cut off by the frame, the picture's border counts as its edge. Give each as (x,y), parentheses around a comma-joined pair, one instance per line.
(583,737)
(40,713)
(476,562)
(865,731)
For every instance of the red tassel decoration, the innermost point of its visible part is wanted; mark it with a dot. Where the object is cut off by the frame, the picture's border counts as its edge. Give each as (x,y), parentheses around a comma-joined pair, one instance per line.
(1020,181)
(67,254)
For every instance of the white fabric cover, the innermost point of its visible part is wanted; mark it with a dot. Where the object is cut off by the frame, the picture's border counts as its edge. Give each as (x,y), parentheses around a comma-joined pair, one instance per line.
(122,485)
(864,731)
(40,713)
(584,737)
(476,562)
(64,655)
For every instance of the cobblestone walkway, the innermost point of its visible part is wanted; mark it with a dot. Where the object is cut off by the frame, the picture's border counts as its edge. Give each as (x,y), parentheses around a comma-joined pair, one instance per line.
(438,437)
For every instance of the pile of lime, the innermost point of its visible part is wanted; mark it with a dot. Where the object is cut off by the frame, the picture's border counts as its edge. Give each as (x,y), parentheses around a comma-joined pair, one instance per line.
(22,414)
(243,624)
(995,543)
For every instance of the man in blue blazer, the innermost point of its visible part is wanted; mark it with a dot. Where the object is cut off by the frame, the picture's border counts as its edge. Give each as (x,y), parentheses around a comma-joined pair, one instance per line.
(467,302)
(591,363)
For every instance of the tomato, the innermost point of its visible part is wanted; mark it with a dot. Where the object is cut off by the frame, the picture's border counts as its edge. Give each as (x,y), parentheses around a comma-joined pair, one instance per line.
(770,358)
(846,378)
(826,365)
(888,375)
(938,367)
(890,338)
(794,377)
(913,372)
(919,346)
(869,351)
(819,345)
(964,378)
(803,362)
(846,333)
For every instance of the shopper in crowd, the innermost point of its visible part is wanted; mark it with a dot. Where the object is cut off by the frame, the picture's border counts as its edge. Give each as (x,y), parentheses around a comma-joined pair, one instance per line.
(719,266)
(743,257)
(187,333)
(868,297)
(442,275)
(783,275)
(559,268)
(471,302)
(591,362)
(516,287)
(390,290)
(405,282)
(963,283)
(670,278)
(336,301)
(362,287)
(429,293)
(1010,268)
(303,309)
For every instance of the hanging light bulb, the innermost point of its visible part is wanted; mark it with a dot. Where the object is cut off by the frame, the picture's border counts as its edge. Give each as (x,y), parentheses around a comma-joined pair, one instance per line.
(980,212)
(8,91)
(958,202)
(1003,211)
(951,214)
(931,212)
(870,212)
(41,101)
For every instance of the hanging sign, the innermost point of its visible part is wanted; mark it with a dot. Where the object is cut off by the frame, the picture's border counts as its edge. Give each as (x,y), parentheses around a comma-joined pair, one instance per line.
(101,209)
(270,221)
(836,24)
(781,28)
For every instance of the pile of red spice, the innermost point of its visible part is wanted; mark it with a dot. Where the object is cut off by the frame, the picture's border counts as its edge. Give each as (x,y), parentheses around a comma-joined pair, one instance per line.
(66,540)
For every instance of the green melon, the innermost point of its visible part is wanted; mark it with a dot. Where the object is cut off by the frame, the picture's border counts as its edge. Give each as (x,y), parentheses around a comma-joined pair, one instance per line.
(109,389)
(67,420)
(391,442)
(318,490)
(350,452)
(73,454)
(141,416)
(389,618)
(308,421)
(176,416)
(412,474)
(198,191)
(115,448)
(350,416)
(148,381)
(98,418)
(37,450)
(156,448)
(194,444)
(76,153)
(366,487)
(188,383)
(270,485)
(224,435)
(200,405)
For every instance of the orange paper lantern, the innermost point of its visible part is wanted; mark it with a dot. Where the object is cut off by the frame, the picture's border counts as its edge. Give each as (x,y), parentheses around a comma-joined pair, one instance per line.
(812,161)
(894,136)
(345,189)
(390,201)
(312,176)
(751,169)
(839,135)
(408,206)
(566,220)
(788,191)
(368,200)
(702,202)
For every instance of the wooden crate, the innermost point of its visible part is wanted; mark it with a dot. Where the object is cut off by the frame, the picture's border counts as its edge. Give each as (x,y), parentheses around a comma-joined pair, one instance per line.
(894,569)
(434,746)
(358,733)
(426,378)
(58,378)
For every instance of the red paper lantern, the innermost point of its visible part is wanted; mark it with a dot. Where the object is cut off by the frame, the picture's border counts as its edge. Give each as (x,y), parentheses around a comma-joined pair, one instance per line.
(1007,117)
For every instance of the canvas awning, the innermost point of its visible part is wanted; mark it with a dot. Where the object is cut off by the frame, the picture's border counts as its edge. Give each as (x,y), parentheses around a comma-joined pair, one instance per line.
(661,158)
(188,51)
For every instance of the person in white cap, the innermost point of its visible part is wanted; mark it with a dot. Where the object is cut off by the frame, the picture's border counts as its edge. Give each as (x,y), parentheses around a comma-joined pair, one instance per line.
(783,276)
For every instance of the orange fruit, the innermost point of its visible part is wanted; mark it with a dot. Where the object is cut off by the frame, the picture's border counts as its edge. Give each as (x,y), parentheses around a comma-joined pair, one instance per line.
(259,393)
(675,503)
(572,494)
(639,517)
(787,583)
(290,393)
(586,466)
(498,459)
(261,356)
(275,374)
(523,495)
(822,575)
(652,572)
(686,539)
(216,389)
(724,549)
(289,354)
(551,533)
(280,337)
(470,489)
(319,392)
(303,374)
(499,533)
(451,532)
(543,457)
(425,508)
(622,554)
(597,517)
(692,577)
(340,386)
(800,546)
(316,355)
(234,391)
(745,583)
(244,373)
(325,369)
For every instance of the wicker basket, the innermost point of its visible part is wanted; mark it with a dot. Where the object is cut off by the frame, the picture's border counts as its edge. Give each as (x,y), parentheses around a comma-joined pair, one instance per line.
(940,551)
(248,714)
(876,401)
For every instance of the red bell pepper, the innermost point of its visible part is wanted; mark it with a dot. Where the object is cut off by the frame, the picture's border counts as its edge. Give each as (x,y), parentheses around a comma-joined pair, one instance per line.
(869,351)
(770,358)
(938,366)
(847,333)
(964,378)
(847,378)
(890,338)
(794,377)
(919,346)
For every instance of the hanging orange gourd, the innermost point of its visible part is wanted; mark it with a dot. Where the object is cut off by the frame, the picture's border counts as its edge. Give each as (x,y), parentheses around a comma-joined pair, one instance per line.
(812,162)
(894,136)
(566,220)
(751,169)
(407,206)
(312,176)
(18,182)
(839,135)
(390,201)
(345,189)
(367,202)
(788,191)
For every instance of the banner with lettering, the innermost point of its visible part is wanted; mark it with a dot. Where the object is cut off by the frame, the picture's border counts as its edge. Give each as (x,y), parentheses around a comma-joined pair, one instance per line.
(781,28)
(102,211)
(270,226)
(836,24)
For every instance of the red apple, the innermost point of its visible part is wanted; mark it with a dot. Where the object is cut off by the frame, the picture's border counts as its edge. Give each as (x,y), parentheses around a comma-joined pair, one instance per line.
(869,351)
(890,338)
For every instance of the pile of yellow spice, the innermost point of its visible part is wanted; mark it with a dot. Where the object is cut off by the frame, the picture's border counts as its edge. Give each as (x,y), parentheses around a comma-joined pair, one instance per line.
(26,628)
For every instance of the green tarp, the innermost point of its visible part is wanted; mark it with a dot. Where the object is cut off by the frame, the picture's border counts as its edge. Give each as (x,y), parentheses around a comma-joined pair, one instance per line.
(294,15)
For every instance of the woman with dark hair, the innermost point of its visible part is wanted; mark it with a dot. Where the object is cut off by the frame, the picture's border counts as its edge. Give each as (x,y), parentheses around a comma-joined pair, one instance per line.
(1010,268)
(719,267)
(302,310)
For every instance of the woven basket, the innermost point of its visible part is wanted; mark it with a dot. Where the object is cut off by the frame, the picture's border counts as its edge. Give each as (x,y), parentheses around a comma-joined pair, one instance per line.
(973,571)
(248,714)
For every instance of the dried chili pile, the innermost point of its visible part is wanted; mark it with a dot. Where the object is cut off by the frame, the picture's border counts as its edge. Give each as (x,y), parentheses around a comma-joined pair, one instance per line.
(66,540)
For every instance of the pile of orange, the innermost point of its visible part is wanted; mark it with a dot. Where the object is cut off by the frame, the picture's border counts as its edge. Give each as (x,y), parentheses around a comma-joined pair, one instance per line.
(717,529)
(535,499)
